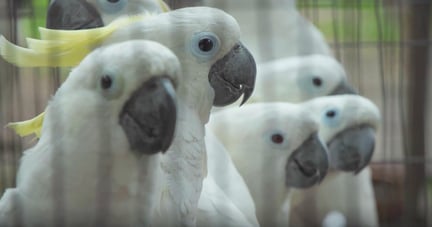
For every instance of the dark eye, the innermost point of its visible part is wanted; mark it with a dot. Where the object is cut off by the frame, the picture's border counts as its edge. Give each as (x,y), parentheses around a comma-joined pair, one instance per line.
(111,85)
(317,81)
(277,138)
(113,1)
(106,82)
(331,117)
(331,113)
(206,44)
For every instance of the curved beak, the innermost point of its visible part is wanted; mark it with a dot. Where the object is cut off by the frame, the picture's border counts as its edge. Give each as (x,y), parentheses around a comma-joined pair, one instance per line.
(149,116)
(307,165)
(232,76)
(344,88)
(351,150)
(72,15)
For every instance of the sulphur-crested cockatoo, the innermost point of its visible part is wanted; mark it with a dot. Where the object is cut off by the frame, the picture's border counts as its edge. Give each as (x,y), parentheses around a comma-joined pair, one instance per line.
(347,125)
(217,70)
(275,146)
(98,160)
(274,29)
(297,79)
(78,14)
(214,208)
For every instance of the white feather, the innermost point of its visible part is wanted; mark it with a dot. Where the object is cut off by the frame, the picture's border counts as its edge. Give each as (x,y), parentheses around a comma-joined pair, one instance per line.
(82,170)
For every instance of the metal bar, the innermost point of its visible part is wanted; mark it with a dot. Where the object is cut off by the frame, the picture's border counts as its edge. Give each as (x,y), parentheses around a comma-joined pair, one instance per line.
(417,18)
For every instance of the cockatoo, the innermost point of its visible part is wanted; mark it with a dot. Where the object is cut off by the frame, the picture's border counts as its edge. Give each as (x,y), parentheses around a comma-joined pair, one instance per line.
(98,160)
(78,14)
(274,29)
(275,146)
(347,125)
(298,79)
(217,70)
(215,206)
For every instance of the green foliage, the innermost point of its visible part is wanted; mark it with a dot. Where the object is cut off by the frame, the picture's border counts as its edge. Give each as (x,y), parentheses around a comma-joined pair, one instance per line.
(34,18)
(353,20)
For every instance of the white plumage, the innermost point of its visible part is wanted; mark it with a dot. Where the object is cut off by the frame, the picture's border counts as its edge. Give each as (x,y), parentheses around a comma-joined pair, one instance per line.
(263,139)
(82,171)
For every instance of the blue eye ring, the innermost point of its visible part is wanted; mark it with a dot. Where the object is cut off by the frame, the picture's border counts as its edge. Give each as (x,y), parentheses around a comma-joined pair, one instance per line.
(204,45)
(330,117)
(110,85)
(112,6)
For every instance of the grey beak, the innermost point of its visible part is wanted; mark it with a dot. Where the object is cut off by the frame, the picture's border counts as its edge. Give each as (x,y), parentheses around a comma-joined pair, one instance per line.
(232,76)
(344,88)
(307,165)
(352,149)
(149,117)
(72,15)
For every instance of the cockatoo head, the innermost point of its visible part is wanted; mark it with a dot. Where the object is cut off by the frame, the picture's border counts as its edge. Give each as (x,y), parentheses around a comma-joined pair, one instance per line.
(301,78)
(125,91)
(273,143)
(347,124)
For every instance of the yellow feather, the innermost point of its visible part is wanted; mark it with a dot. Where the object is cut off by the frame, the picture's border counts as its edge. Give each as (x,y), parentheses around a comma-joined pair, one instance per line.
(164,6)
(25,128)
(61,48)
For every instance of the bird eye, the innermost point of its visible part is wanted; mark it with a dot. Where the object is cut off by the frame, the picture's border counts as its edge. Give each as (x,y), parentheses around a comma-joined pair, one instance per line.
(112,6)
(204,45)
(110,86)
(317,81)
(331,117)
(311,83)
(106,82)
(277,138)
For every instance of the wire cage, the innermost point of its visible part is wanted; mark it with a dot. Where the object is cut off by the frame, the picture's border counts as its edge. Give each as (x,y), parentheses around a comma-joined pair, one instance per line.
(384,47)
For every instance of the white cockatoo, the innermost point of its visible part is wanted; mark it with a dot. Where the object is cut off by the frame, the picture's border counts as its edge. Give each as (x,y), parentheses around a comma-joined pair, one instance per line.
(273,29)
(218,213)
(97,162)
(347,125)
(298,79)
(217,70)
(275,146)
(79,14)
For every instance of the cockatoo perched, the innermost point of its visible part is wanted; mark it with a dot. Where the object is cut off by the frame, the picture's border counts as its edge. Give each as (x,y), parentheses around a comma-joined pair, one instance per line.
(217,70)
(78,14)
(347,125)
(275,146)
(98,160)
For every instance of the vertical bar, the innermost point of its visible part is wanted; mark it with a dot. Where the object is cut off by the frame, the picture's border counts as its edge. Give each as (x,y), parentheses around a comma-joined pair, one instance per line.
(417,21)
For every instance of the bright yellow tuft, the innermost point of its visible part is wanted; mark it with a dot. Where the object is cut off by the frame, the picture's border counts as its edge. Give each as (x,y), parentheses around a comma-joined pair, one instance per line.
(29,127)
(61,48)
